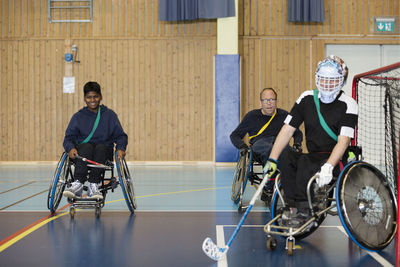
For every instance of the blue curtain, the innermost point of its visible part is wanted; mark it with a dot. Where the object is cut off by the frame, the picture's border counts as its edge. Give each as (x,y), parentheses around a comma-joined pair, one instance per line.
(306,10)
(173,10)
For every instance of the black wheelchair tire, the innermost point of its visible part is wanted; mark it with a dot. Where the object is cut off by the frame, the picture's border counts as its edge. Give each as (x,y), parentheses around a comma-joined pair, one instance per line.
(238,182)
(57,185)
(126,183)
(365,219)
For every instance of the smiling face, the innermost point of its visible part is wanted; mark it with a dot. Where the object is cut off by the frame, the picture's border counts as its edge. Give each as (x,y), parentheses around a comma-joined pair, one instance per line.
(93,100)
(268,102)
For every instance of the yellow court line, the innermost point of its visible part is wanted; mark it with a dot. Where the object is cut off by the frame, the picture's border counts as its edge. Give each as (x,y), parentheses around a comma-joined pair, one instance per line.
(35,227)
(28,231)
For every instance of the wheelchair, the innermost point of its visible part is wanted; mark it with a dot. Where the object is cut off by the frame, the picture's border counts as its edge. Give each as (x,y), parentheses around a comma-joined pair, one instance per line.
(64,174)
(247,169)
(360,195)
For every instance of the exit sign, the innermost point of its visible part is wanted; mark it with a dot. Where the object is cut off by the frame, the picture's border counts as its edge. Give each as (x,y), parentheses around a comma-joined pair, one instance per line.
(385,25)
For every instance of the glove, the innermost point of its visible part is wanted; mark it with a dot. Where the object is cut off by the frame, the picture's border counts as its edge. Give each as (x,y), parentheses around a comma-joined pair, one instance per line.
(297,147)
(325,175)
(351,157)
(243,149)
(273,166)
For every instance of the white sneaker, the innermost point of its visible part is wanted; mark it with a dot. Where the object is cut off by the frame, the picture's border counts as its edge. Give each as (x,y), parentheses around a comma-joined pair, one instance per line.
(94,192)
(74,190)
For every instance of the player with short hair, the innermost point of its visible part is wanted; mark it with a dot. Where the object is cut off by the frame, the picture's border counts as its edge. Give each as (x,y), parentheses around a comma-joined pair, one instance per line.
(92,133)
(261,141)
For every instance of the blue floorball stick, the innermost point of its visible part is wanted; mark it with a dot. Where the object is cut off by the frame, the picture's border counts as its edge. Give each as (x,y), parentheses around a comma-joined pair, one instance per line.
(210,248)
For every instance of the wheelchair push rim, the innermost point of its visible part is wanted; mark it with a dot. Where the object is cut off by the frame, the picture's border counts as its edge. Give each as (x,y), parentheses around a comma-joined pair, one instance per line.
(126,183)
(57,185)
(366,206)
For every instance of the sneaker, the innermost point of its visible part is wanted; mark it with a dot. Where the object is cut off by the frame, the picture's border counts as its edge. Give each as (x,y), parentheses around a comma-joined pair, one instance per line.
(303,215)
(289,218)
(74,190)
(94,192)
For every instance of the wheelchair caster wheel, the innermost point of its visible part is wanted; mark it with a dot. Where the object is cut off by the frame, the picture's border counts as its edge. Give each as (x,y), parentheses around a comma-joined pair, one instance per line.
(271,243)
(241,209)
(97,212)
(72,212)
(290,247)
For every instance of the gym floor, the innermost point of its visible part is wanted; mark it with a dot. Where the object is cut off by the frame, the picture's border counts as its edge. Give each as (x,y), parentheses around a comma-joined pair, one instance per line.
(178,207)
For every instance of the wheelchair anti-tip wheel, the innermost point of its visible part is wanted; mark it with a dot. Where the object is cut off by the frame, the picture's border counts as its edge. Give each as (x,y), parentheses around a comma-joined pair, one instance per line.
(239,179)
(366,206)
(126,183)
(271,243)
(57,185)
(72,212)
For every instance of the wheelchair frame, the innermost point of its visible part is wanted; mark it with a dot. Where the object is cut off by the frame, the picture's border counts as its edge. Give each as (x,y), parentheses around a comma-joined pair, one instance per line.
(244,171)
(64,175)
(373,211)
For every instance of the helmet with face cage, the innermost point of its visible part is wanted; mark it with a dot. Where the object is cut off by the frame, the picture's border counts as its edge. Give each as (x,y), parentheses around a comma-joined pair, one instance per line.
(330,76)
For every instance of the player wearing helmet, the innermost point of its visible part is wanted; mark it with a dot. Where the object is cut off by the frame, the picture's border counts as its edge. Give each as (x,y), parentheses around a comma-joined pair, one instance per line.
(340,113)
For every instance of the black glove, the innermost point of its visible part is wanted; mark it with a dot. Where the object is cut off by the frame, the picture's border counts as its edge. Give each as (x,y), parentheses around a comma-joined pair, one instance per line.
(243,149)
(297,148)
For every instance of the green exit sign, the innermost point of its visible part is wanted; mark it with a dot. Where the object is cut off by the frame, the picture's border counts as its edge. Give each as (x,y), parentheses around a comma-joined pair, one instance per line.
(385,25)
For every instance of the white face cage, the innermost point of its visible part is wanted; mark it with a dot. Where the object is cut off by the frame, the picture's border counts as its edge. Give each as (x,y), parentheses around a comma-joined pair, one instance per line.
(330,75)
(329,84)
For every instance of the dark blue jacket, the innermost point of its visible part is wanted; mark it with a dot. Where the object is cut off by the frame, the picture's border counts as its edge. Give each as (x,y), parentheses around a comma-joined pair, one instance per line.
(254,120)
(108,132)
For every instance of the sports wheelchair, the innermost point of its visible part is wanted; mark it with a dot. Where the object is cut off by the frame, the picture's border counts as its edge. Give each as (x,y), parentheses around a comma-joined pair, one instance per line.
(360,195)
(64,175)
(247,169)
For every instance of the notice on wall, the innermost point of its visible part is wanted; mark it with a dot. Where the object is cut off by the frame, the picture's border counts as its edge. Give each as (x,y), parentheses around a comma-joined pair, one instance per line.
(69,85)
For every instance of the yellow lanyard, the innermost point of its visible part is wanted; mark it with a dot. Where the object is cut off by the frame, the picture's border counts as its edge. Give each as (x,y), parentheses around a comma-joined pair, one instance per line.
(264,127)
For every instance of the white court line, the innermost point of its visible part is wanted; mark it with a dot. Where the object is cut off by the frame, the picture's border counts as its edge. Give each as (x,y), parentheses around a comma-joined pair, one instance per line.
(224,263)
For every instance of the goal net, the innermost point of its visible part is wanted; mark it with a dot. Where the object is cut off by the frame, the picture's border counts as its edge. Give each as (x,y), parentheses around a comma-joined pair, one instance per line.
(378,95)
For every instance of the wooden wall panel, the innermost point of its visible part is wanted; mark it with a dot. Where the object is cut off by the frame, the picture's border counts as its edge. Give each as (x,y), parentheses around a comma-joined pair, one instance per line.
(155,86)
(343,17)
(123,18)
(156,75)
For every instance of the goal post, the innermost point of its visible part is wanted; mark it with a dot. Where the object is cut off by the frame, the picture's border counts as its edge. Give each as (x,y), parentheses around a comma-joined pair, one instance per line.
(378,131)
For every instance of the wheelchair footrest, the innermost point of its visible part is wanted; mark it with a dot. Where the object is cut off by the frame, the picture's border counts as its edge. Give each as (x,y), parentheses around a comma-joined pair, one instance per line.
(85,203)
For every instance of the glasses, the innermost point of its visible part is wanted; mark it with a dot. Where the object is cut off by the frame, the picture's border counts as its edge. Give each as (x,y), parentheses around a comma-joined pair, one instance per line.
(268,100)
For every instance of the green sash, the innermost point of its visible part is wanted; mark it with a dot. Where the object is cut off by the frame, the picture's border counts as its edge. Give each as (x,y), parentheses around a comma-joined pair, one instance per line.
(321,119)
(96,122)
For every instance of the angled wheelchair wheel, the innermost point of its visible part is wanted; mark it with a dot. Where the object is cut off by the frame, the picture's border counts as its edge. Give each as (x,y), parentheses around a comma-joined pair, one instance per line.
(366,206)
(277,207)
(57,185)
(239,178)
(126,183)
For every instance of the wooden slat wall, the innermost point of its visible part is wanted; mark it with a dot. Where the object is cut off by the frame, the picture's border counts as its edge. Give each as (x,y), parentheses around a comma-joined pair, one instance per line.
(157,76)
(161,90)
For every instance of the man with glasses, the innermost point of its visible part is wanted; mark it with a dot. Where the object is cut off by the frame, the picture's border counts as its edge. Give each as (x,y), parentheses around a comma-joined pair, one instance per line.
(263,125)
